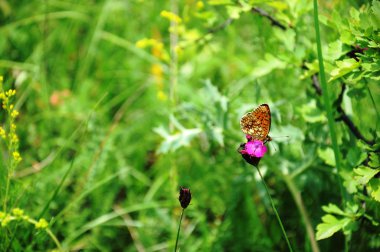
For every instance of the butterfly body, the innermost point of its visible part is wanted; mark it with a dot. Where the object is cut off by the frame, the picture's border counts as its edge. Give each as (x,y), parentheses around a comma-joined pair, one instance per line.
(256,124)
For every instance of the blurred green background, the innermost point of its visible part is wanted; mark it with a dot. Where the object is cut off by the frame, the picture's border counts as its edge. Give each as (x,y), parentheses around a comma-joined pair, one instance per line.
(129,103)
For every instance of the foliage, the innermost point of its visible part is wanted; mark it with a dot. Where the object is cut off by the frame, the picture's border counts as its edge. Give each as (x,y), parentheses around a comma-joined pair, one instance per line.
(121,102)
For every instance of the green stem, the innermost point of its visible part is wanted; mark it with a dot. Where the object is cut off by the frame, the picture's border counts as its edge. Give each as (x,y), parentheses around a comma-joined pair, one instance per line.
(275,211)
(179,228)
(54,238)
(326,100)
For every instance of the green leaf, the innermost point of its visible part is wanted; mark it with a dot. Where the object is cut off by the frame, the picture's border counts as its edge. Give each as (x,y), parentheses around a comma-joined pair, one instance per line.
(332,208)
(355,156)
(374,188)
(267,65)
(287,37)
(312,67)
(343,67)
(327,155)
(214,96)
(330,226)
(374,160)
(310,113)
(349,182)
(234,11)
(174,141)
(335,50)
(365,174)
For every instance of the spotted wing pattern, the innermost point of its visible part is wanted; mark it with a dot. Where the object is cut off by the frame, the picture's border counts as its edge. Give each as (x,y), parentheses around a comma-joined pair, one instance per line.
(257,123)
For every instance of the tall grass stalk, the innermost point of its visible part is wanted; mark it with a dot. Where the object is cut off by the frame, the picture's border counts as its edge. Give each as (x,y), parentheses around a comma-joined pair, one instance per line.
(326,100)
(328,108)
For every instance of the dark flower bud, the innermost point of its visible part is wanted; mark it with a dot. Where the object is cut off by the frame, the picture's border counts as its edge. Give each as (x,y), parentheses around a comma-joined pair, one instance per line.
(184,197)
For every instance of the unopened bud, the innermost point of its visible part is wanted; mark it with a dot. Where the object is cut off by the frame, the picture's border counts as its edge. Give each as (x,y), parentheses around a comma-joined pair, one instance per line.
(184,197)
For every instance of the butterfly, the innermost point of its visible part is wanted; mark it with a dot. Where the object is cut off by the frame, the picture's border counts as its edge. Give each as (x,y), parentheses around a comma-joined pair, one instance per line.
(257,123)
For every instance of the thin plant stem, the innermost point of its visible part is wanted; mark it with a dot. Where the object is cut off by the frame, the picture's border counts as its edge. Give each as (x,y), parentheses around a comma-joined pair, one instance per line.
(327,101)
(275,211)
(179,228)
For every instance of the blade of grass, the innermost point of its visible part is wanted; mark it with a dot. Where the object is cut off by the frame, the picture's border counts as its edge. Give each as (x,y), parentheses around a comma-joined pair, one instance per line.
(112,215)
(302,209)
(327,102)
(56,190)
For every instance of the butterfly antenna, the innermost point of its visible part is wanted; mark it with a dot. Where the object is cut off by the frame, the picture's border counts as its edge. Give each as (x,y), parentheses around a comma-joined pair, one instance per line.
(274,147)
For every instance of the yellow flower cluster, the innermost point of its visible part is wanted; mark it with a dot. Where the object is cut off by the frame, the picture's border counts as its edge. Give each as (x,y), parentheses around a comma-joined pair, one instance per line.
(158,51)
(8,132)
(16,156)
(41,224)
(17,214)
(145,42)
(171,16)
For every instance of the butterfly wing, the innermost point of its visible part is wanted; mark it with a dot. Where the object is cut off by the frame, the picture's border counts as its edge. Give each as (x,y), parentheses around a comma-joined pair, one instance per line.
(257,123)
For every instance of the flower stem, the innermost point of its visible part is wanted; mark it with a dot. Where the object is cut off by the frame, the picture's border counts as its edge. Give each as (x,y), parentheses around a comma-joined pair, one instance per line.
(179,228)
(275,211)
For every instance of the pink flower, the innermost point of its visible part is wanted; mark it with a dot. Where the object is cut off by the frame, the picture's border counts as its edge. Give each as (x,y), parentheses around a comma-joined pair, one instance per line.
(255,148)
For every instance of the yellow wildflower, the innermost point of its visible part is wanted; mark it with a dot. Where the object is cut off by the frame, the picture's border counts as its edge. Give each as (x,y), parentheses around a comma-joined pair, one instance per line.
(16,156)
(2,133)
(171,16)
(14,113)
(5,220)
(17,212)
(41,224)
(145,42)
(10,92)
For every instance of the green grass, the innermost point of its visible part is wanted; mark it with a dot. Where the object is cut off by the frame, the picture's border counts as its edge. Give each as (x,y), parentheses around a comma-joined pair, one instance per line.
(109,130)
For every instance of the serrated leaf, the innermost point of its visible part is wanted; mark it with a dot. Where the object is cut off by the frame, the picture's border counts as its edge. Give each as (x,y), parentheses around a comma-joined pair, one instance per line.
(349,182)
(310,113)
(267,65)
(332,208)
(374,160)
(174,141)
(374,188)
(365,174)
(343,67)
(330,226)
(355,156)
(215,96)
(327,155)
(335,50)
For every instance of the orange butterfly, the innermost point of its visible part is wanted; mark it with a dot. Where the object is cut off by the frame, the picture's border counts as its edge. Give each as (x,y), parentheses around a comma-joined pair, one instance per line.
(257,123)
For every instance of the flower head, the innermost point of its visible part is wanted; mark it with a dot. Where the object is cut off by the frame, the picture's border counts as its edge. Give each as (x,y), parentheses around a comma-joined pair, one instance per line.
(41,224)
(184,197)
(252,151)
(255,148)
